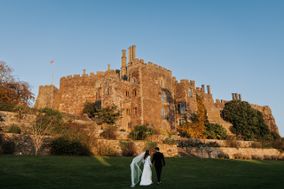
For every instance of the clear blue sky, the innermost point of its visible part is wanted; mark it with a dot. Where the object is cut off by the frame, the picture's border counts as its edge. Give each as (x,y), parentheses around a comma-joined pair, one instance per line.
(235,45)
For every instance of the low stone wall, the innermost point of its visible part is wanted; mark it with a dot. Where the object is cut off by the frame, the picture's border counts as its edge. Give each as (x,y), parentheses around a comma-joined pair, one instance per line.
(234,153)
(113,147)
(12,118)
(24,144)
(219,143)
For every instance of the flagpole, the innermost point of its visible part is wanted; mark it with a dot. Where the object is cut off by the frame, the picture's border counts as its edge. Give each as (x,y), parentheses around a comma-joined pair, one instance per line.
(52,71)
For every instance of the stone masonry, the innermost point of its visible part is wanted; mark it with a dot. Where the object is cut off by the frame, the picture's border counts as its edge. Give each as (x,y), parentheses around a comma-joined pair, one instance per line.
(146,93)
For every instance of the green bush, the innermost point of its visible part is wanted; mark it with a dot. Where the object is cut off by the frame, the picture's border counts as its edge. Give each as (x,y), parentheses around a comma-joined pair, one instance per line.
(247,122)
(169,141)
(215,131)
(128,148)
(63,146)
(8,147)
(14,129)
(140,132)
(108,115)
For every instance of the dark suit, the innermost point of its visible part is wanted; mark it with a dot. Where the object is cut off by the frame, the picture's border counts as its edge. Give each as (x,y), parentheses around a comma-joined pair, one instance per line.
(158,161)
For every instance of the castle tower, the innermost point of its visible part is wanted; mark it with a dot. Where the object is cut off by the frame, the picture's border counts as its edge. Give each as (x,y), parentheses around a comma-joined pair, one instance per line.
(131,53)
(123,64)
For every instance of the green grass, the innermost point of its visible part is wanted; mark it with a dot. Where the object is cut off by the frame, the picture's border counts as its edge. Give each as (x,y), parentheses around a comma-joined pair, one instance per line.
(109,173)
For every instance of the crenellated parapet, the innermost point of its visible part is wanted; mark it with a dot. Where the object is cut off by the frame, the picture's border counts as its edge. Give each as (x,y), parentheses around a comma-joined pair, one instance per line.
(146,93)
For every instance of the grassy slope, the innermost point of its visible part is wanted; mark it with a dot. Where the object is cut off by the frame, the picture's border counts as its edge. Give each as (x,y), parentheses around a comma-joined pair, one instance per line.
(89,172)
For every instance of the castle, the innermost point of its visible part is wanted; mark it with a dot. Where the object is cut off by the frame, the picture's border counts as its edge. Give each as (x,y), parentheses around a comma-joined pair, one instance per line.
(146,93)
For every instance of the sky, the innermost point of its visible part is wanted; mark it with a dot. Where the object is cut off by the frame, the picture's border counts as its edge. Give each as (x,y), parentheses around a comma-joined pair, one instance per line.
(234,46)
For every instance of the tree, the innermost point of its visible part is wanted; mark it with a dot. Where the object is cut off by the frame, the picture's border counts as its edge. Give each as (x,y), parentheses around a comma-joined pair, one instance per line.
(101,115)
(215,131)
(140,132)
(195,128)
(247,122)
(46,122)
(12,91)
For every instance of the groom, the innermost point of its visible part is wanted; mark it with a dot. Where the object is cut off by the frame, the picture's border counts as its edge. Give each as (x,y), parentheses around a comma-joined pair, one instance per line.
(158,161)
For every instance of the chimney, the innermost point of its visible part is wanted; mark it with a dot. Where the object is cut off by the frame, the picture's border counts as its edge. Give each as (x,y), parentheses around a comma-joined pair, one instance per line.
(208,89)
(240,97)
(123,63)
(203,88)
(133,52)
(130,54)
(233,96)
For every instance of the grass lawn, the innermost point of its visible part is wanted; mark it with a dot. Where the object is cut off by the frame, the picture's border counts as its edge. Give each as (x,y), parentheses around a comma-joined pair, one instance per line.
(23,172)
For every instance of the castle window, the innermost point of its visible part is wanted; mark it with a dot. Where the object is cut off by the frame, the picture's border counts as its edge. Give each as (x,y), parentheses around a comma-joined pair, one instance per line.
(127,111)
(190,93)
(108,91)
(126,93)
(164,97)
(134,92)
(181,107)
(135,111)
(163,113)
(181,122)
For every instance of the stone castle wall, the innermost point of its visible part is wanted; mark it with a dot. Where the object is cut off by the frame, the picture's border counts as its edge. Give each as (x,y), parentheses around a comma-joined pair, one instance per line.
(146,93)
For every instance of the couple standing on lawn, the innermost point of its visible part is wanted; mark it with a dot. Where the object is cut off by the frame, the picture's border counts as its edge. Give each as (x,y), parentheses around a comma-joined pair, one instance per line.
(145,158)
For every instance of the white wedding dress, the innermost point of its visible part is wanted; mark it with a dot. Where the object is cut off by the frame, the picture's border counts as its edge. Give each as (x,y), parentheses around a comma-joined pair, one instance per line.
(135,169)
(136,172)
(146,178)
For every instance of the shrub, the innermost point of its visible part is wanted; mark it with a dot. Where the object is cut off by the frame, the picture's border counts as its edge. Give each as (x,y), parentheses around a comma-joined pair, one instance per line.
(247,122)
(169,141)
(140,132)
(109,133)
(101,115)
(215,131)
(127,148)
(63,146)
(14,129)
(8,147)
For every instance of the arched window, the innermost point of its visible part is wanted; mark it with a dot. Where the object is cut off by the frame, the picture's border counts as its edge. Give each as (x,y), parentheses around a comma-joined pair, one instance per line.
(190,93)
(134,92)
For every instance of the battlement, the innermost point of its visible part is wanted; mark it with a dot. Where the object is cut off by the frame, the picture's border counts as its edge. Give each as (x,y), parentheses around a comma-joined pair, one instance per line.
(47,87)
(158,67)
(91,75)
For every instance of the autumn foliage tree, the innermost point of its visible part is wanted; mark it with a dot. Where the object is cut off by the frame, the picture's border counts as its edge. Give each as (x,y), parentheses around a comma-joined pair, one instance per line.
(13,92)
(196,128)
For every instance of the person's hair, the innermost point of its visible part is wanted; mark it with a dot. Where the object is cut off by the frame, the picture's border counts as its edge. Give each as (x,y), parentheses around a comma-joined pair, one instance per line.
(157,148)
(147,153)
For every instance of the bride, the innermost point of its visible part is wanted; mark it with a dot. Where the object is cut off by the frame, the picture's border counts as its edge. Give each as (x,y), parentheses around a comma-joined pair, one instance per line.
(146,178)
